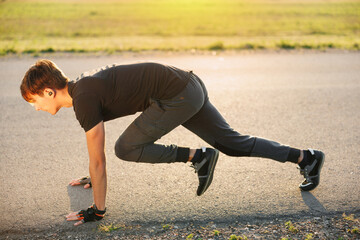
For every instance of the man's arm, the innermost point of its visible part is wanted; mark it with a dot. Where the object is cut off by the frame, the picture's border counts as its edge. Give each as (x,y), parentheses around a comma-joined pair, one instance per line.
(95,138)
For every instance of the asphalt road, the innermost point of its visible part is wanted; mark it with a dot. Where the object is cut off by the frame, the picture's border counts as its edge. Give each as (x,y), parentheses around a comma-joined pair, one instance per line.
(299,99)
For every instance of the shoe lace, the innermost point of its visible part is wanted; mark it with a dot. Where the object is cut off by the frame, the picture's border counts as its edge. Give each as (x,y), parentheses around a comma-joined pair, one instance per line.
(194,167)
(305,173)
(307,169)
(200,164)
(197,166)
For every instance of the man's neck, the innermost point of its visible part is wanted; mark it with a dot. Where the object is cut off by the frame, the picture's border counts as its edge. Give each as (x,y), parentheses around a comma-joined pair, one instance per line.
(65,99)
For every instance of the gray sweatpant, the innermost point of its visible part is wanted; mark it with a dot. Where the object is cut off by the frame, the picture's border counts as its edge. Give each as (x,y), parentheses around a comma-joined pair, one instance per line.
(192,109)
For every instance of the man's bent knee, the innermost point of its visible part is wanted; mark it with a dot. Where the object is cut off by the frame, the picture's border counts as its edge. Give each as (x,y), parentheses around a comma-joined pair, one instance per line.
(122,150)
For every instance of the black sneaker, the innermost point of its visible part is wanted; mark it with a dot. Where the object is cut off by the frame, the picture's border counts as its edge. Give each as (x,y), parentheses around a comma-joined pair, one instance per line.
(205,168)
(312,171)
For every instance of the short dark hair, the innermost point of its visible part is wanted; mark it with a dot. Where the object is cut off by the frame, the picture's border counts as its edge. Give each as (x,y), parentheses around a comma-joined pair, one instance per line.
(43,74)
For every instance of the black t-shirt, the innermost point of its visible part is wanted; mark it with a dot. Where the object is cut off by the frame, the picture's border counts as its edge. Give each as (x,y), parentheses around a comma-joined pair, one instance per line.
(119,90)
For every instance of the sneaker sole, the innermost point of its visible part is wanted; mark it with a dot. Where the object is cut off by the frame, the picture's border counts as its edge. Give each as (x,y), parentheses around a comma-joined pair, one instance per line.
(211,167)
(303,187)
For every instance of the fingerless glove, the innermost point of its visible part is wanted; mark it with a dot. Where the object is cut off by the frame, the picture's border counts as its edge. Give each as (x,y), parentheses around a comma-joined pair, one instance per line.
(91,214)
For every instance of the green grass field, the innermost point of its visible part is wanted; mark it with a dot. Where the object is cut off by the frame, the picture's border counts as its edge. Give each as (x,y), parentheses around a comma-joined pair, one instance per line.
(31,26)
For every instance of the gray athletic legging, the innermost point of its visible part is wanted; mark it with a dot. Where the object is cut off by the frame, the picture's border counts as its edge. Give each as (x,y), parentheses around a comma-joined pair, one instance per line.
(193,110)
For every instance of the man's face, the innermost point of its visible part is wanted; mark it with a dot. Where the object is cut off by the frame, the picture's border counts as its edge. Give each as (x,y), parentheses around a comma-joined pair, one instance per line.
(45,103)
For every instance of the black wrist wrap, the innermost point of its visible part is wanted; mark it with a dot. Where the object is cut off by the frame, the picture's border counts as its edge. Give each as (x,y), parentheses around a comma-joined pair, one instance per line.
(91,214)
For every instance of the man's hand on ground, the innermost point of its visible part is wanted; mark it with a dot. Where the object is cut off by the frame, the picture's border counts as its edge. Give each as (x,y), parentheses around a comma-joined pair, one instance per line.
(81,181)
(89,215)
(74,217)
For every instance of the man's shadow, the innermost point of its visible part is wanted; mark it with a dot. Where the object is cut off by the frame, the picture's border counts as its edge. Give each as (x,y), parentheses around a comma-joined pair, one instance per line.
(313,204)
(80,198)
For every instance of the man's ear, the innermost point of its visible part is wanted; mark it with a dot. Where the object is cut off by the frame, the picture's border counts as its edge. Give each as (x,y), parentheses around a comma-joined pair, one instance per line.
(48,92)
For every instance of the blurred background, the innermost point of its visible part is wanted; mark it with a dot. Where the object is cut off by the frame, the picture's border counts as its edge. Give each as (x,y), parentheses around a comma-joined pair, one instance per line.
(111,26)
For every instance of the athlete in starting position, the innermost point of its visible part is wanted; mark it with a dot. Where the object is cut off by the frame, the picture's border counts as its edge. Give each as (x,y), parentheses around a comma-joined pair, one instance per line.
(167,97)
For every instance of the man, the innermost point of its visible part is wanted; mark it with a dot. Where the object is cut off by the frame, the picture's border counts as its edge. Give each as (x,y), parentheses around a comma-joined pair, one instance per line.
(167,97)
